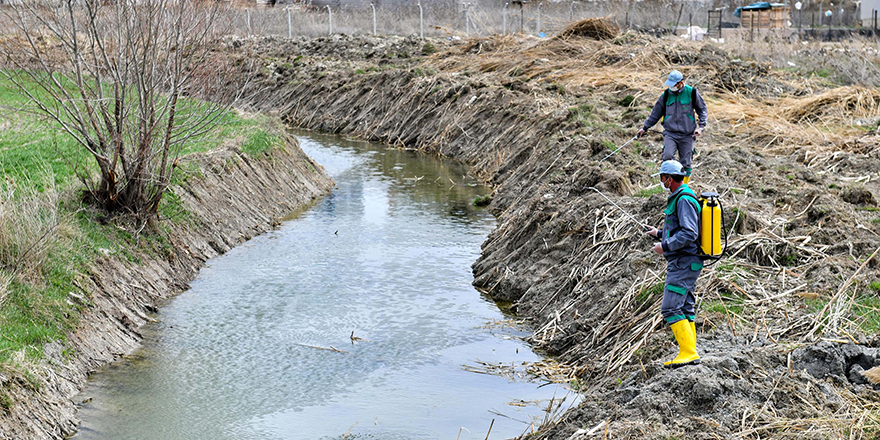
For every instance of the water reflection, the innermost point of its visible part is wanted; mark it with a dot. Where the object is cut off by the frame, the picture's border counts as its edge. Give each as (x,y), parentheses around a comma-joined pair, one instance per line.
(260,347)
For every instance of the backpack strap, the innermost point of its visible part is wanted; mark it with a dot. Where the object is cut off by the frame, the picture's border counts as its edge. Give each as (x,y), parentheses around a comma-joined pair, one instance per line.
(692,196)
(665,98)
(671,207)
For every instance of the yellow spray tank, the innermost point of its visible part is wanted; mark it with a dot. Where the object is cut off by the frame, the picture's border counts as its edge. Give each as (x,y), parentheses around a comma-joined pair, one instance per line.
(711,224)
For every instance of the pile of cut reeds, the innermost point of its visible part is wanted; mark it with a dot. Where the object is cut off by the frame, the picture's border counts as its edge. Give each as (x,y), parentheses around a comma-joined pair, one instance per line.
(596,28)
(837,104)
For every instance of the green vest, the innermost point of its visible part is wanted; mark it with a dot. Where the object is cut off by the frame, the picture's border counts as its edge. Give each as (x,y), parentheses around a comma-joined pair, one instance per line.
(685,97)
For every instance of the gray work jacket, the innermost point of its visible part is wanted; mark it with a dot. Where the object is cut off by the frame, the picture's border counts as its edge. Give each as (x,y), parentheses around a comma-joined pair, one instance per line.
(677,111)
(682,225)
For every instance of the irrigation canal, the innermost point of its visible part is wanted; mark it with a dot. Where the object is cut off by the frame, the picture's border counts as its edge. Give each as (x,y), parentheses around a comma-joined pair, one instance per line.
(243,353)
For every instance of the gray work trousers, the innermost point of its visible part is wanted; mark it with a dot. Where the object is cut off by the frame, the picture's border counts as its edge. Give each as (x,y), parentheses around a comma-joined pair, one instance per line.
(678,293)
(683,143)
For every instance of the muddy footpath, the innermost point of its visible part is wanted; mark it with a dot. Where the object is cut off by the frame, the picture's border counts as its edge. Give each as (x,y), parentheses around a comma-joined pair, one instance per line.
(231,197)
(784,322)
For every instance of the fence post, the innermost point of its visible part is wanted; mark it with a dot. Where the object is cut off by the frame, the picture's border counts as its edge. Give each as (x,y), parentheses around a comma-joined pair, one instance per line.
(875,23)
(521,17)
(421,22)
(248,11)
(330,19)
(467,20)
(678,19)
(538,24)
(632,14)
(289,24)
(752,26)
(504,19)
(374,18)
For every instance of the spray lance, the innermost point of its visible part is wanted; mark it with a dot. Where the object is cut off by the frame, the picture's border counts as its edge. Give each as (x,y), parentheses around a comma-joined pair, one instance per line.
(612,154)
(642,224)
(620,148)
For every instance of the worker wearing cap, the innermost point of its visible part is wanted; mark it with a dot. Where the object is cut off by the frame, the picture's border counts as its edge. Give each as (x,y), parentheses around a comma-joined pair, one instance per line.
(676,106)
(678,244)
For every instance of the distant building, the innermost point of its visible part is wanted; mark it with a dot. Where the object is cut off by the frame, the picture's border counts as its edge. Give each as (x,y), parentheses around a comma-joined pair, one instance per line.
(763,15)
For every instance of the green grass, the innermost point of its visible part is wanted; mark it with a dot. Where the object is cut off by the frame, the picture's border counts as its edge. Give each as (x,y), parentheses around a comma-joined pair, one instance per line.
(867,308)
(581,113)
(649,192)
(35,305)
(730,304)
(260,142)
(652,291)
(482,201)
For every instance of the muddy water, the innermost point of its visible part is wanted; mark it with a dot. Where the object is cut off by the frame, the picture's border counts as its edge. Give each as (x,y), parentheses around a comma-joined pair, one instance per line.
(261,347)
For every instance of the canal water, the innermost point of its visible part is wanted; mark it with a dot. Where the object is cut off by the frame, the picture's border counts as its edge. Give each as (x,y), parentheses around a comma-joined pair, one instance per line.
(261,346)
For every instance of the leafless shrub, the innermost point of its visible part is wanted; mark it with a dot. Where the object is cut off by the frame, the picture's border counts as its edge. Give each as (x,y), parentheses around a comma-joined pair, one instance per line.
(120,78)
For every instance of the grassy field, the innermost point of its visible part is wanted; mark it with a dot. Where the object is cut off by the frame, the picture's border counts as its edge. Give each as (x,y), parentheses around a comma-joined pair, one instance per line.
(49,237)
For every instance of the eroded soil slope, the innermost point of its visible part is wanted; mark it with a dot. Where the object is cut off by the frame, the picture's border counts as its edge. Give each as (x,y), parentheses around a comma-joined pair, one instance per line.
(786,322)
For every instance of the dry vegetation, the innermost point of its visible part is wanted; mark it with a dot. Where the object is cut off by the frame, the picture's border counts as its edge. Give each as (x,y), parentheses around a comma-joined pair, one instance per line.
(794,151)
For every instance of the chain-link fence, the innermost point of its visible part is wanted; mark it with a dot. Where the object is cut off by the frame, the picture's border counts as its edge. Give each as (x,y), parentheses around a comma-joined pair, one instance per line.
(492,17)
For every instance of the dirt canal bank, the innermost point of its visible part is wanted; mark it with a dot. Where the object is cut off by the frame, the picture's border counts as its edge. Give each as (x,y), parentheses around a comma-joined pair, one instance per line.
(786,324)
(231,197)
(355,318)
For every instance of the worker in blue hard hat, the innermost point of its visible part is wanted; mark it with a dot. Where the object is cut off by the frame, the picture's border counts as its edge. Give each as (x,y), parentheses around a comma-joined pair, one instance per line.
(678,245)
(677,107)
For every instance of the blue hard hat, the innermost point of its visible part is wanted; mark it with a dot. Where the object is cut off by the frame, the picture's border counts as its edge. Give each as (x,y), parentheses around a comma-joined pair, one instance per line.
(674,77)
(672,168)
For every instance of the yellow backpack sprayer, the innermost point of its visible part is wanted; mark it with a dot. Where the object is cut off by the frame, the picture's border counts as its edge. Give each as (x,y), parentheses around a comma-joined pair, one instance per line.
(711,223)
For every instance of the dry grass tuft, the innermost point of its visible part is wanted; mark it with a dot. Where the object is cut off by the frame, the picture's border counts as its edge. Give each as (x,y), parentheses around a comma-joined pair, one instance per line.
(29,222)
(873,375)
(840,105)
(595,28)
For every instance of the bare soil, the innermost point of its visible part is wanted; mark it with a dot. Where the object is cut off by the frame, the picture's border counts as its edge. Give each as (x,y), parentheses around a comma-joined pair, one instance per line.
(784,321)
(232,198)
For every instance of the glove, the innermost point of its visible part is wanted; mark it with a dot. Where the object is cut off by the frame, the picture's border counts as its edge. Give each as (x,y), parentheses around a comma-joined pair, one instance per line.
(698,132)
(640,133)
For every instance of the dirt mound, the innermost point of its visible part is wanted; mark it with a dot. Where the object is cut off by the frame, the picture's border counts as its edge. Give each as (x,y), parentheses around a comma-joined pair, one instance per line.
(742,389)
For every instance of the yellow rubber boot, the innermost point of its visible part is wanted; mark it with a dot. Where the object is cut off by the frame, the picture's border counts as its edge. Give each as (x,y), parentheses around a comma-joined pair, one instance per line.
(694,331)
(686,179)
(686,337)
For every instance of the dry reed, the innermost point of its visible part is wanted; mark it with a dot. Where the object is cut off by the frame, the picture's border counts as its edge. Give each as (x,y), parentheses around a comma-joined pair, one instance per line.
(595,28)
(29,221)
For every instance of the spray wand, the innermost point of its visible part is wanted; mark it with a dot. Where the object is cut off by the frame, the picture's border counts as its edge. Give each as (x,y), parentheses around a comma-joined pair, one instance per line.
(644,226)
(618,149)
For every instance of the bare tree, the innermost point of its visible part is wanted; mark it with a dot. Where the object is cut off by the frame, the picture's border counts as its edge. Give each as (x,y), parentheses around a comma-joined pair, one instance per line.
(132,81)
